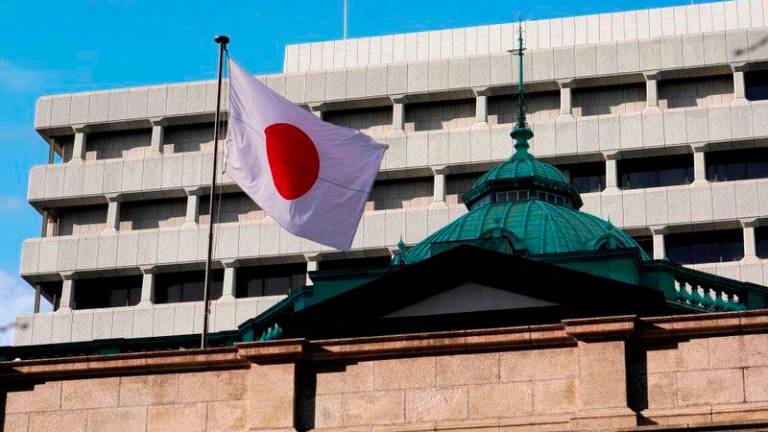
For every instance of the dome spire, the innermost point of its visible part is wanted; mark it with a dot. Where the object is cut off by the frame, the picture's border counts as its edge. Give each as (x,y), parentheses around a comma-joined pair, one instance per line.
(521,133)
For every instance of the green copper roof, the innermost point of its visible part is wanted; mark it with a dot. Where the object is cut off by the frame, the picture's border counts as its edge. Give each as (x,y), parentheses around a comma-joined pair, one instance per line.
(531,226)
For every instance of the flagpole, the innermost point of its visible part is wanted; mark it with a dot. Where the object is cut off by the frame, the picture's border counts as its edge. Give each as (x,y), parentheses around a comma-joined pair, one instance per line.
(222,40)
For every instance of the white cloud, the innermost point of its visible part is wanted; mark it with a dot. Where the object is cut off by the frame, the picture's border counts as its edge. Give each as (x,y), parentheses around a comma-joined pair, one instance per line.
(15,77)
(16,298)
(12,203)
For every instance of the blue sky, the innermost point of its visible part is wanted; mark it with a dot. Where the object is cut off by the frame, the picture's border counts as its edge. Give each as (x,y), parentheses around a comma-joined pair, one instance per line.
(51,47)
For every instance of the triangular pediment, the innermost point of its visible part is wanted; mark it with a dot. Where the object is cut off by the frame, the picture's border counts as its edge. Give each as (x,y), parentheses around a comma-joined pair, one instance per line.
(466,298)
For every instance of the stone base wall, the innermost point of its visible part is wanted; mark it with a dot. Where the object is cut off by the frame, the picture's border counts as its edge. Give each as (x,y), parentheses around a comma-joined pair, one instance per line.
(675,373)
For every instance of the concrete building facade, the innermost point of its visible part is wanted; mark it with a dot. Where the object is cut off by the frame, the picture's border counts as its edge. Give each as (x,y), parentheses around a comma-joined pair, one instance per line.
(660,117)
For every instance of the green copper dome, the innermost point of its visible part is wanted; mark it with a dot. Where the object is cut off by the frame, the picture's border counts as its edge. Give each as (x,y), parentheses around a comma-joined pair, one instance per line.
(522,172)
(531,227)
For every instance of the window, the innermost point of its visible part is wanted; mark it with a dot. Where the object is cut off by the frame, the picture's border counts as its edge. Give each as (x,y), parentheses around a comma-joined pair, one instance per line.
(586,177)
(761,241)
(655,171)
(186,286)
(645,243)
(107,292)
(269,280)
(705,247)
(732,165)
(757,84)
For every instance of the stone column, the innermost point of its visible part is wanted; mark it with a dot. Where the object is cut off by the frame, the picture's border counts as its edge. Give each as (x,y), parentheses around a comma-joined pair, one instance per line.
(147,286)
(313,264)
(611,172)
(78,149)
(229,288)
(750,243)
(272,407)
(566,99)
(67,300)
(398,112)
(438,193)
(659,249)
(652,90)
(158,136)
(739,83)
(481,105)
(699,165)
(317,109)
(602,381)
(192,216)
(113,214)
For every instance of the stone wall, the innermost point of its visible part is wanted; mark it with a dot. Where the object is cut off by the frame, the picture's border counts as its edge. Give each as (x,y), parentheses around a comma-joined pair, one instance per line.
(203,401)
(452,388)
(713,379)
(581,374)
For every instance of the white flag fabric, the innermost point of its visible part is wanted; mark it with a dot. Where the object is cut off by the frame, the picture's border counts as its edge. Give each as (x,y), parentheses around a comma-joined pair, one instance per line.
(312,177)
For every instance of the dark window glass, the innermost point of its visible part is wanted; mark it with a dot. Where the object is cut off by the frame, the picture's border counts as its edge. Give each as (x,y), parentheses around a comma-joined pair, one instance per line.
(355,263)
(732,165)
(107,292)
(655,171)
(757,84)
(761,241)
(269,280)
(587,177)
(51,291)
(186,286)
(645,243)
(705,247)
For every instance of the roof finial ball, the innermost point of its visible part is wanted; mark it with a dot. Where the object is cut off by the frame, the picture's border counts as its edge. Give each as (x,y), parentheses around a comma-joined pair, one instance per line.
(521,133)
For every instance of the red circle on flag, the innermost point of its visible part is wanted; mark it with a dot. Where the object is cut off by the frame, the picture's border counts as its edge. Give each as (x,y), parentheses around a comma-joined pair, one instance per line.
(293,159)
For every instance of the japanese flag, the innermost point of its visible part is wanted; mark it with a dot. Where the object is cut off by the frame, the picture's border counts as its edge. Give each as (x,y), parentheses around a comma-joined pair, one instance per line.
(312,177)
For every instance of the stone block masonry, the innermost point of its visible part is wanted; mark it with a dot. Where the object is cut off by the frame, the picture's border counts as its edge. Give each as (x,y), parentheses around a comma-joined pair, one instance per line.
(706,370)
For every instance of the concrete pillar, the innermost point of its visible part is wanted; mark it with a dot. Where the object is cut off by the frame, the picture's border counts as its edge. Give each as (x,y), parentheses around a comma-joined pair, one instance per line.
(113,214)
(67,300)
(699,165)
(78,149)
(193,207)
(652,91)
(566,99)
(659,249)
(611,172)
(481,105)
(750,243)
(739,83)
(38,294)
(51,224)
(158,137)
(313,261)
(229,289)
(398,112)
(438,194)
(147,286)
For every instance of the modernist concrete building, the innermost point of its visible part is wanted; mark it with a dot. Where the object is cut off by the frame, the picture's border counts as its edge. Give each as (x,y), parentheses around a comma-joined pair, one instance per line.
(657,116)
(524,314)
